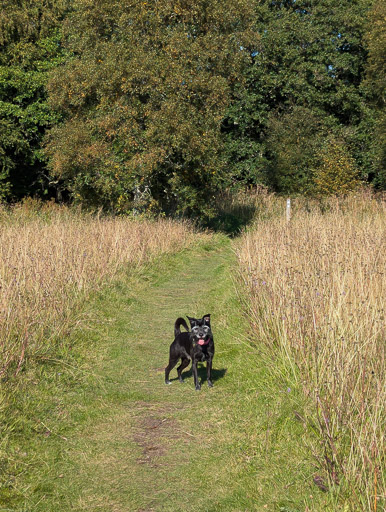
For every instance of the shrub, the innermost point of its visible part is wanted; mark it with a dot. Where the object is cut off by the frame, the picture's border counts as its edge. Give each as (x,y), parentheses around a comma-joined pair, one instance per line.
(336,173)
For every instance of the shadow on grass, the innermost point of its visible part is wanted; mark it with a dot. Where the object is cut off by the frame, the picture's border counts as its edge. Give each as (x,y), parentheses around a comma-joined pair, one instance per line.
(216,374)
(232,216)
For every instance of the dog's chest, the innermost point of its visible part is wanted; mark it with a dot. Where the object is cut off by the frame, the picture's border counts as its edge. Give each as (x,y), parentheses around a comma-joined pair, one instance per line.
(202,354)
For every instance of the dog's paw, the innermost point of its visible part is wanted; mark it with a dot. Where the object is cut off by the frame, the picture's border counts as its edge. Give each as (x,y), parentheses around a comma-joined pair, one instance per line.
(167,382)
(182,381)
(210,384)
(198,388)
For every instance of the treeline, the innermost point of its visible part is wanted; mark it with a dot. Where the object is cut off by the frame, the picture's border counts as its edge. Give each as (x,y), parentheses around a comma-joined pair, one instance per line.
(158,105)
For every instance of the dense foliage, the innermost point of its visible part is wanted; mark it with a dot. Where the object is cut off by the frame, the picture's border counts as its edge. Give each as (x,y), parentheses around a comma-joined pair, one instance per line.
(375,84)
(29,48)
(143,98)
(159,105)
(302,84)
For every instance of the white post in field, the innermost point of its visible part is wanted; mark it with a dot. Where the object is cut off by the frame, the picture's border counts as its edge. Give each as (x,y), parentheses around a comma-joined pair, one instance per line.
(288,210)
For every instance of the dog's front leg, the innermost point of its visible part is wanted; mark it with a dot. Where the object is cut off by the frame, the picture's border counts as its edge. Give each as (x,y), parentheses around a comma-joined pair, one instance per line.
(209,373)
(195,375)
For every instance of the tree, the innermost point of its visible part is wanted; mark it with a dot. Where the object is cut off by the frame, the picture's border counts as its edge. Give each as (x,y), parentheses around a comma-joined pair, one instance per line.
(29,48)
(293,141)
(375,86)
(309,55)
(143,100)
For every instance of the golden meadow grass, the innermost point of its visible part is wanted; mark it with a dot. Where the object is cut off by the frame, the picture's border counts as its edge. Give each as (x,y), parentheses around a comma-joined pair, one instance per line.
(317,300)
(51,257)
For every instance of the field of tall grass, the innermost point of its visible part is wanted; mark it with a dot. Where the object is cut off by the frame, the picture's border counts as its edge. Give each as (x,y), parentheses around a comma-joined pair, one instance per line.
(52,257)
(316,298)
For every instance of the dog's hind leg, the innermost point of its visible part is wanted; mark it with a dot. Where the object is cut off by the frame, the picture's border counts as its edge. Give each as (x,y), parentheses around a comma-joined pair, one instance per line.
(185,362)
(209,373)
(169,368)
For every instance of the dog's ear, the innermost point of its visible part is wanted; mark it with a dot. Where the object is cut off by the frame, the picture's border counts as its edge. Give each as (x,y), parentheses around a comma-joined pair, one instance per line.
(192,321)
(206,319)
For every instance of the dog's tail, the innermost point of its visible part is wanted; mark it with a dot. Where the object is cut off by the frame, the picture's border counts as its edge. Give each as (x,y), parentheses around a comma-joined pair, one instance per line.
(180,321)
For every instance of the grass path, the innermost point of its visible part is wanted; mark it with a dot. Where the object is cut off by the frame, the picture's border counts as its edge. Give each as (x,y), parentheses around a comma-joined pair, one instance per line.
(115,438)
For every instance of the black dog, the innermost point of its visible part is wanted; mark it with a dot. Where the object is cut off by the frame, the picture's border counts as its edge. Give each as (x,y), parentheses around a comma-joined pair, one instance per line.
(196,345)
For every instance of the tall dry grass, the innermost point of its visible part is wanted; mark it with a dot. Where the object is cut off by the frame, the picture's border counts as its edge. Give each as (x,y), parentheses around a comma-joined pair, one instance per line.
(316,298)
(51,257)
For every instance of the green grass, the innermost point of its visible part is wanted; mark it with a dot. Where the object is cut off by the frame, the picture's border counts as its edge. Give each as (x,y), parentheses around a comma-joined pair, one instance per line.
(96,429)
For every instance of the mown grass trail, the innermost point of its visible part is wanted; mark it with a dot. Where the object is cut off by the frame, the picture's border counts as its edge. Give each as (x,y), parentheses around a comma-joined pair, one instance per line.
(115,438)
